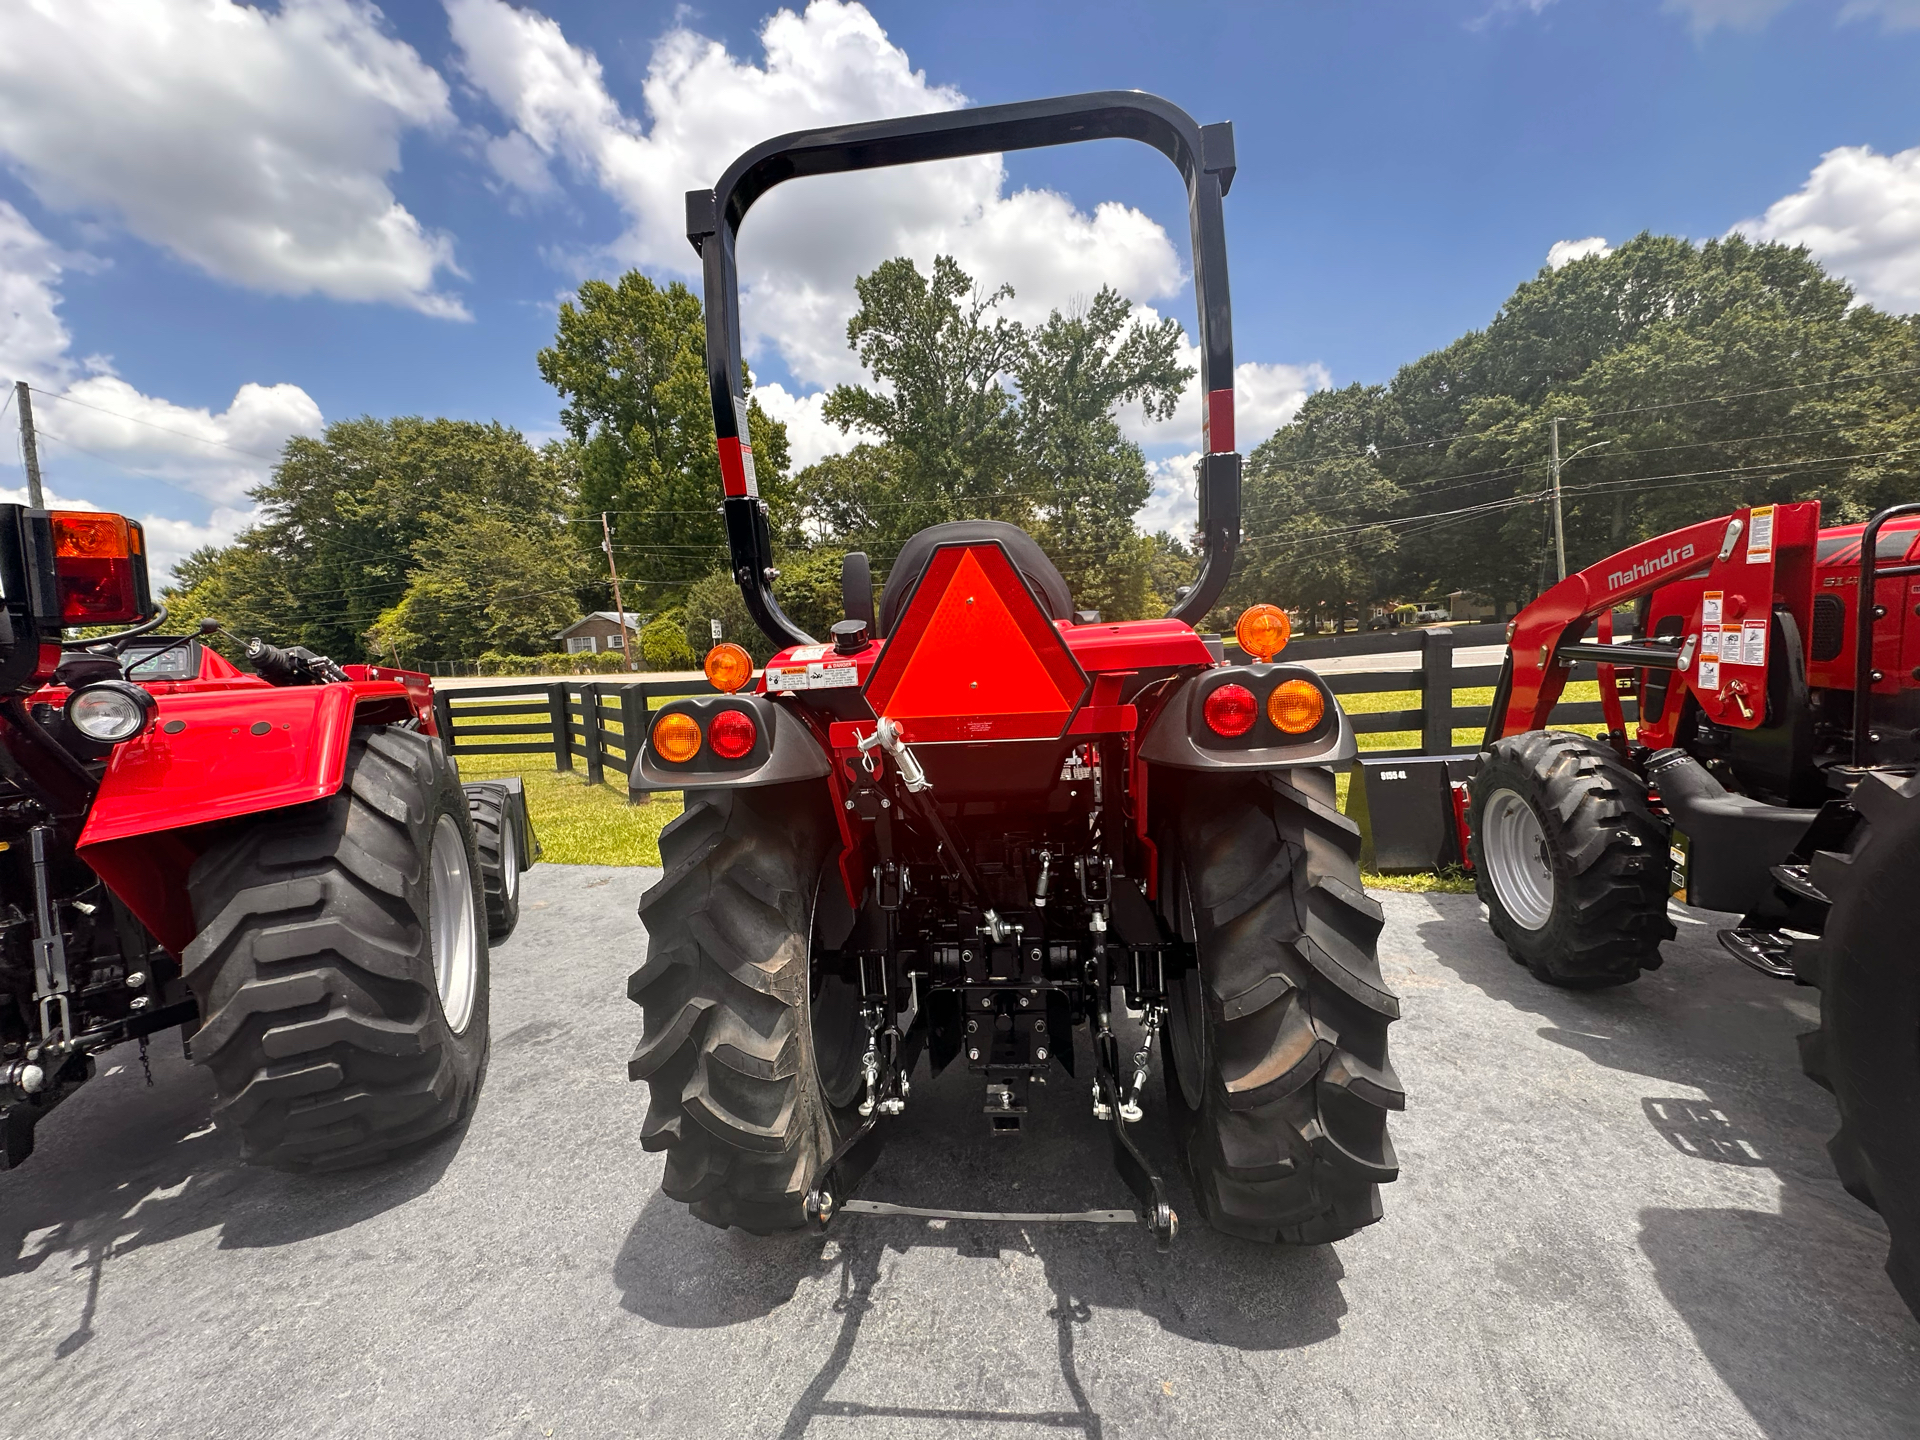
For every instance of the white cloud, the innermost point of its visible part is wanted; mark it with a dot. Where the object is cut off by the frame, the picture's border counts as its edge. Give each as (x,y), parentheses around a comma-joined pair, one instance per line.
(801,248)
(253,143)
(1565,252)
(1705,16)
(810,436)
(86,413)
(1859,215)
(1174,505)
(1892,14)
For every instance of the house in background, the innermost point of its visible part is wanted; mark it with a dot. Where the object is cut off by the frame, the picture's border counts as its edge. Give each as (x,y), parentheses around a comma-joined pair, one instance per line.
(601,630)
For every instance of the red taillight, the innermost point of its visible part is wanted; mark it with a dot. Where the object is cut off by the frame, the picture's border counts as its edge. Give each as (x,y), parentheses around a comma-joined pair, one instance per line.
(94,559)
(1230,710)
(731,733)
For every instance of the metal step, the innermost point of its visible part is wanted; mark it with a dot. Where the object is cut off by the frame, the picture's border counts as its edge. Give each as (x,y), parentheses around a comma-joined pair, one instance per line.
(1767,951)
(1794,879)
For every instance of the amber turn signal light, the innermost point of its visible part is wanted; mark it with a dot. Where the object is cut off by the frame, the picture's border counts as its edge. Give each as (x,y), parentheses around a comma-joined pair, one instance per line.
(1296,706)
(676,737)
(1263,631)
(728,667)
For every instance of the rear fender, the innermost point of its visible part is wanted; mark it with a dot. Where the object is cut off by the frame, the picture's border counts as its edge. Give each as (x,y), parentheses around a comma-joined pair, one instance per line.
(1179,736)
(217,755)
(785,749)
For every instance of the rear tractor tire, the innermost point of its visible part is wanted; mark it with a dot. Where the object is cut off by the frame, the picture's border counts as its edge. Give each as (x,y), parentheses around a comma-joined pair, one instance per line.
(341,964)
(1569,859)
(1276,1057)
(752,1060)
(498,810)
(1867,1049)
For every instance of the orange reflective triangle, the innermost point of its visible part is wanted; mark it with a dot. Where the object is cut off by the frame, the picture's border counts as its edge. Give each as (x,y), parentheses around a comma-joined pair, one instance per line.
(974,658)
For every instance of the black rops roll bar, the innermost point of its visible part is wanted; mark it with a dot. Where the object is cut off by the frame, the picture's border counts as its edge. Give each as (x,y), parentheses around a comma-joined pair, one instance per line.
(1864,675)
(1204,156)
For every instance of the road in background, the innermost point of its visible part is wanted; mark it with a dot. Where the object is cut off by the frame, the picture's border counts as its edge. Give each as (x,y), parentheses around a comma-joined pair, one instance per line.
(1617,1219)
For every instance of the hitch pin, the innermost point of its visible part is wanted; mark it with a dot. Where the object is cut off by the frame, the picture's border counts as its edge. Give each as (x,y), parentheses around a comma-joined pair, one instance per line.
(886,734)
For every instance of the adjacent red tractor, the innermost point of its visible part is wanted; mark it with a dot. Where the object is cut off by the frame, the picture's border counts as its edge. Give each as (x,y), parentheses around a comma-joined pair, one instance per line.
(976,821)
(284,865)
(1772,775)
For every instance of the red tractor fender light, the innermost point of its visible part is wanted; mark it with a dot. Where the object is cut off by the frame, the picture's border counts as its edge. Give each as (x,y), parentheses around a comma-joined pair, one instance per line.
(94,561)
(1230,710)
(676,737)
(731,733)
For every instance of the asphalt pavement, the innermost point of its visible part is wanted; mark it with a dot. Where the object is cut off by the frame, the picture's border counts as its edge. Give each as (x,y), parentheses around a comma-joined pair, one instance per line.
(1616,1220)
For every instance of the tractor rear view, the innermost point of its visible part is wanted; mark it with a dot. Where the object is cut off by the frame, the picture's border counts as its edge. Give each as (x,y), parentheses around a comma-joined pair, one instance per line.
(1773,775)
(976,822)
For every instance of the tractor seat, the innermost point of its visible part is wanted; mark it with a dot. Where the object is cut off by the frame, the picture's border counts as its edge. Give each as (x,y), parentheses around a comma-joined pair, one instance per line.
(1028,558)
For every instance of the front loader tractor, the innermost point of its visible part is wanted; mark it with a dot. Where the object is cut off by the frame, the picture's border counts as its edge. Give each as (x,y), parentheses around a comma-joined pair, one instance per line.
(283,866)
(1772,774)
(975,824)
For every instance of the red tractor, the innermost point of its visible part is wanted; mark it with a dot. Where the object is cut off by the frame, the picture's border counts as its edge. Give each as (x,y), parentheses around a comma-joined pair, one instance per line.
(957,827)
(1772,775)
(284,865)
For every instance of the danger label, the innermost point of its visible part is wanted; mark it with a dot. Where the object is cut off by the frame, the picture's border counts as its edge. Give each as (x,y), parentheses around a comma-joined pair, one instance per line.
(1760,535)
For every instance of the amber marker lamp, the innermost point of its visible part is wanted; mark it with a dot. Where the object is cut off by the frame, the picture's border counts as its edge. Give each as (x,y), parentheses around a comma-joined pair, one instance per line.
(1296,706)
(676,737)
(728,667)
(1263,631)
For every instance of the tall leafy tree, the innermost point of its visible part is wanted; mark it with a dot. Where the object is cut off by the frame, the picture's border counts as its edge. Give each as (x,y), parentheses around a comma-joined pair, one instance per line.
(629,361)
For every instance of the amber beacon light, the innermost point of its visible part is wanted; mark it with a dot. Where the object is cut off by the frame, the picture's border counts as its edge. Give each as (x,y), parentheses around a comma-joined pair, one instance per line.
(1263,631)
(728,667)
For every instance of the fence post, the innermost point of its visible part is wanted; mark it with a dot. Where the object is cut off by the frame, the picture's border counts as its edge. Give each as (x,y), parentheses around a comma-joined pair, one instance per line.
(590,732)
(633,723)
(443,719)
(562,726)
(1436,700)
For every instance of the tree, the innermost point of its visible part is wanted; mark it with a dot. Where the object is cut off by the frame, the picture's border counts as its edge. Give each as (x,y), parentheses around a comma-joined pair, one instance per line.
(629,359)
(976,417)
(344,519)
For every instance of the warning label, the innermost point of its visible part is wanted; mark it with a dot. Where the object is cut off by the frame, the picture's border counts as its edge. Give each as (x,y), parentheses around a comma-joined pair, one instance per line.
(1710,643)
(1710,609)
(1754,648)
(1709,676)
(1760,535)
(815,675)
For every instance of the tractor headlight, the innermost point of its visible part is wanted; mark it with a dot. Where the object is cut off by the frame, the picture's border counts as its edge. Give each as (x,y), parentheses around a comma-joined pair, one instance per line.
(110,711)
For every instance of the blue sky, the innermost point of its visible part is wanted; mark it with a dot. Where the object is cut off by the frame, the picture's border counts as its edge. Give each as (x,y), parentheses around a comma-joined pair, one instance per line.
(220,226)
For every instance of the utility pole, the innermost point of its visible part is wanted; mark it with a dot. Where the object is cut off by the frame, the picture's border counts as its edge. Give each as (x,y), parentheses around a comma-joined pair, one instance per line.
(35,499)
(1559,528)
(619,609)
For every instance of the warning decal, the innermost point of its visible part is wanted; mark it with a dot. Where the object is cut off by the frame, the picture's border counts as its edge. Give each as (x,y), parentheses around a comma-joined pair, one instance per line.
(1760,535)
(1710,609)
(1709,676)
(1710,643)
(815,675)
(1755,648)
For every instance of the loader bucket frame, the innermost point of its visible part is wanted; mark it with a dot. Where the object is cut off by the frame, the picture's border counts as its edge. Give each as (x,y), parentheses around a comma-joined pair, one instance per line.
(1204,157)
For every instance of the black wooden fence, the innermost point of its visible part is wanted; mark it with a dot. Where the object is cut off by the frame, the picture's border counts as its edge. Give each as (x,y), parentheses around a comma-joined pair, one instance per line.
(599,724)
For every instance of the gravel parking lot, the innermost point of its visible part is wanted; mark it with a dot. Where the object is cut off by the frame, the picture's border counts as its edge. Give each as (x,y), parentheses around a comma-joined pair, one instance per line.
(1616,1219)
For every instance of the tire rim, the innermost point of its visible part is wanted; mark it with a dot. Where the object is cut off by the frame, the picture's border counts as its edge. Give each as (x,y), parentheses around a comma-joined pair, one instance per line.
(456,938)
(1518,862)
(509,858)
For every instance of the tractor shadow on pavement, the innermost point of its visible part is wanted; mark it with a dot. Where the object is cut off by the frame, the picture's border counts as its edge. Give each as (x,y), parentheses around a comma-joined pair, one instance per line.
(122,1165)
(1791,1308)
(675,1270)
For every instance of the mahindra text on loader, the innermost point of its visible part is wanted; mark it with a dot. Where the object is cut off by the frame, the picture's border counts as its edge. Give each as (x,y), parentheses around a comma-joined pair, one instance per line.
(282,865)
(974,819)
(1772,774)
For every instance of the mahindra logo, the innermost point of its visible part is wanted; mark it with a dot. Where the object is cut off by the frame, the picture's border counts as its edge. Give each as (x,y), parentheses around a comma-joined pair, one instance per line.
(1653,565)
